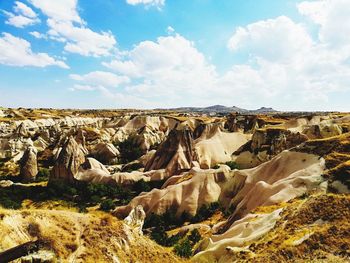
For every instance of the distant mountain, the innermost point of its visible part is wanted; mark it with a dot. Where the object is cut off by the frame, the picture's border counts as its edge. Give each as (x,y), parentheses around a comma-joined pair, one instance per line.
(264,110)
(223,109)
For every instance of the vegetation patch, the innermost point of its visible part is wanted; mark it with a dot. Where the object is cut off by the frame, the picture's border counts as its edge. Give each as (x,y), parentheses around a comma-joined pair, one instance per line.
(129,150)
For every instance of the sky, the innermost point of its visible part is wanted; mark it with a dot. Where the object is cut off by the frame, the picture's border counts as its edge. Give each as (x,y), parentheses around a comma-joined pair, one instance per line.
(289,55)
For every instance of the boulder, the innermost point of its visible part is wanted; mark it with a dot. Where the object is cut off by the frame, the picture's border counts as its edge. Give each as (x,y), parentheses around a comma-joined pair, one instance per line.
(29,165)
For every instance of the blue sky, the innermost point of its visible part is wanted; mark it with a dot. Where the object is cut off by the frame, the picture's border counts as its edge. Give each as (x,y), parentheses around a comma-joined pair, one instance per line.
(290,55)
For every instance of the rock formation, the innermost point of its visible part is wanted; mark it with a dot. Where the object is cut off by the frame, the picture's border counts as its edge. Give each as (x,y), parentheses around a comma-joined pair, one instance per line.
(29,165)
(105,153)
(68,162)
(175,154)
(136,219)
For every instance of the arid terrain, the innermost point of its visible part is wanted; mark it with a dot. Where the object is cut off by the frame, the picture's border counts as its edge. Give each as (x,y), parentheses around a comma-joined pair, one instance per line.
(176,185)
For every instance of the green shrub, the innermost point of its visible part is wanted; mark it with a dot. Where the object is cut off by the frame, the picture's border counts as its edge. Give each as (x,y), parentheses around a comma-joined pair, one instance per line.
(107,205)
(132,167)
(183,248)
(160,236)
(6,202)
(129,150)
(142,186)
(205,211)
(194,236)
(43,174)
(233,165)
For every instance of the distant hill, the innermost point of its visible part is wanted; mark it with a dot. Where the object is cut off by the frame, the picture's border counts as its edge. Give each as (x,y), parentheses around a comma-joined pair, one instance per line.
(223,109)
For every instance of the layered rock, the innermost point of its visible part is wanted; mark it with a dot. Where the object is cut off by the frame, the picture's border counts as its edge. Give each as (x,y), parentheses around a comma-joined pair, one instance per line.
(242,123)
(68,162)
(185,193)
(93,171)
(136,219)
(106,153)
(215,146)
(175,154)
(29,165)
(265,144)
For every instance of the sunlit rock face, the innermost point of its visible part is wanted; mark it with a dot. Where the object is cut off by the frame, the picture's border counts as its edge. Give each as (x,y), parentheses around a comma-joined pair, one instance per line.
(68,162)
(175,153)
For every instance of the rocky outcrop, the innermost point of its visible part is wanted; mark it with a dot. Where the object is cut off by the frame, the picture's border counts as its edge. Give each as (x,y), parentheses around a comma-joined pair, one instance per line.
(214,145)
(265,144)
(186,192)
(321,131)
(93,171)
(136,219)
(105,153)
(242,123)
(175,154)
(68,162)
(29,165)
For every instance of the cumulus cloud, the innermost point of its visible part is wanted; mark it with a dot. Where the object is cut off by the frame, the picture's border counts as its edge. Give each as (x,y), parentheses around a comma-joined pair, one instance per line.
(171,67)
(273,39)
(23,16)
(66,26)
(16,51)
(286,63)
(158,3)
(63,10)
(100,78)
(38,35)
(333,18)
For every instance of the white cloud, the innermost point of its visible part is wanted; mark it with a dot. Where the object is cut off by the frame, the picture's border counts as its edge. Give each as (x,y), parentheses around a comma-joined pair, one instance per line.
(100,78)
(81,40)
(333,18)
(16,51)
(66,26)
(273,39)
(38,35)
(146,2)
(285,62)
(171,67)
(21,8)
(23,16)
(170,30)
(62,10)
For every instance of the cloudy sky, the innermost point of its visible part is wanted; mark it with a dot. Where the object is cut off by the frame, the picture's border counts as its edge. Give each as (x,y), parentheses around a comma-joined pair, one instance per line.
(290,55)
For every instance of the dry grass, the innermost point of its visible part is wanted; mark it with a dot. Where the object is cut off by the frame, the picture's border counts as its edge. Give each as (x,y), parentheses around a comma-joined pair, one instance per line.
(75,237)
(315,229)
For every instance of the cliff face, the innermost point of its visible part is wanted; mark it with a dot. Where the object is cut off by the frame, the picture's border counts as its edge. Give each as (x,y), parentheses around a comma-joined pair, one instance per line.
(175,153)
(68,162)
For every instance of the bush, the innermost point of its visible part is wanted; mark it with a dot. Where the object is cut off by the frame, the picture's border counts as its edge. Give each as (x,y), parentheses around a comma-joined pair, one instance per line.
(6,202)
(43,174)
(216,166)
(183,248)
(107,205)
(233,165)
(132,167)
(129,150)
(194,237)
(160,236)
(205,212)
(141,186)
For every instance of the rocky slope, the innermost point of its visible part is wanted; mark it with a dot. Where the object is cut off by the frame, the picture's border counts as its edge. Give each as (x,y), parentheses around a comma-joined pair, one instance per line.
(215,189)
